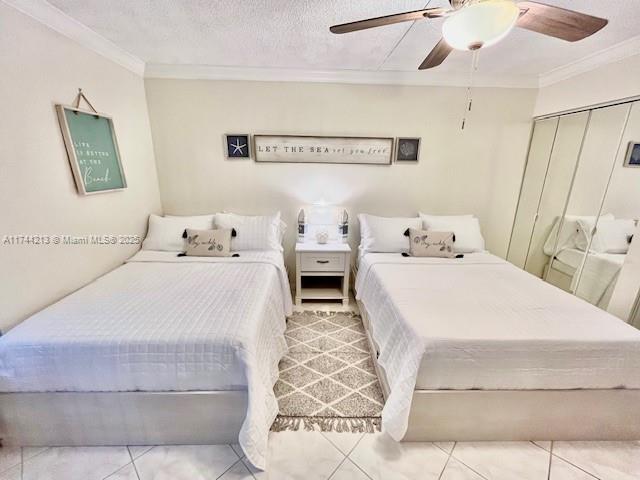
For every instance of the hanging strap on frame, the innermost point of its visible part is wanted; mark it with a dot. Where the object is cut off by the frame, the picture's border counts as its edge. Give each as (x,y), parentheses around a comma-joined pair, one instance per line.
(81,96)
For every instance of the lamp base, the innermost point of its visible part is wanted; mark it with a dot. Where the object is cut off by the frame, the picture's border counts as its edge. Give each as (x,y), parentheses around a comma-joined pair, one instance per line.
(457,4)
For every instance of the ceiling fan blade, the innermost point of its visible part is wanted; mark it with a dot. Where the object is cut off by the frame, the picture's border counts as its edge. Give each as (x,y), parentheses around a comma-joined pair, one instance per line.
(436,56)
(558,22)
(387,20)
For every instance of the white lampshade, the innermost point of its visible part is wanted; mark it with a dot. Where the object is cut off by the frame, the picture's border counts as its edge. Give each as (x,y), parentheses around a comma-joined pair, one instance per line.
(480,24)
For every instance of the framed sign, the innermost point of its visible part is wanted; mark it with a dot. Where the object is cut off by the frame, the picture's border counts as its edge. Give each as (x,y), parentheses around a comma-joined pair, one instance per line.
(91,144)
(237,146)
(308,149)
(632,158)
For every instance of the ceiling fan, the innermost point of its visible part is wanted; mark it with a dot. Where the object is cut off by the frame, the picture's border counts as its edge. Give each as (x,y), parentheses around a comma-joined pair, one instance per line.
(475,24)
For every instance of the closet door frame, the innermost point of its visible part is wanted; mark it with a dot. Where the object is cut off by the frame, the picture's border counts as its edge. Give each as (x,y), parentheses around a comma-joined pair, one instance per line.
(562,145)
(527,165)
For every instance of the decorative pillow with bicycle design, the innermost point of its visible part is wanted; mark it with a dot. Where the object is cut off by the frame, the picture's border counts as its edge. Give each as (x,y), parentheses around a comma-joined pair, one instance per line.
(208,243)
(427,243)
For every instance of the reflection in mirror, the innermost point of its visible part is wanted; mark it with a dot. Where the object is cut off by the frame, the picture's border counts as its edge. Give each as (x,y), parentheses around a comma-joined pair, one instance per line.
(607,278)
(571,237)
(608,247)
(557,185)
(579,206)
(553,154)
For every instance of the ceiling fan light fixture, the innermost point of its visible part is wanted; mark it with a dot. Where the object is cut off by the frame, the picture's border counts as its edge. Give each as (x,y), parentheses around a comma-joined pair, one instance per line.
(480,24)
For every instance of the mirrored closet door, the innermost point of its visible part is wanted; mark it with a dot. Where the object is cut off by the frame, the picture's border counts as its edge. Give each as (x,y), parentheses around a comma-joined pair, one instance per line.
(579,206)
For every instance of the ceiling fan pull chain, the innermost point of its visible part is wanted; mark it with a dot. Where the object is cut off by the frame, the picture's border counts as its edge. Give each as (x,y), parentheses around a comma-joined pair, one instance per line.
(469,104)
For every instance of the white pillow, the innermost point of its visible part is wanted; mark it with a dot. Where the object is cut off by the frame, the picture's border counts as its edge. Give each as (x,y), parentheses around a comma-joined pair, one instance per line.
(465,227)
(165,233)
(612,236)
(572,235)
(385,234)
(282,229)
(252,232)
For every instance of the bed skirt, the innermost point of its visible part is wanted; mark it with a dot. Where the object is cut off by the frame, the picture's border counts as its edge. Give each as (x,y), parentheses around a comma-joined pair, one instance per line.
(121,418)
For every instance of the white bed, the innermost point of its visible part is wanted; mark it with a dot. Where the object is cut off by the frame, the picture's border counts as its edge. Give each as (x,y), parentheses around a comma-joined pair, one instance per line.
(480,329)
(598,278)
(162,323)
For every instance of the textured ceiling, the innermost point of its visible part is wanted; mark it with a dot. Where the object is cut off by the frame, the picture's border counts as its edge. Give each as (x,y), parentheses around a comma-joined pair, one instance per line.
(295,34)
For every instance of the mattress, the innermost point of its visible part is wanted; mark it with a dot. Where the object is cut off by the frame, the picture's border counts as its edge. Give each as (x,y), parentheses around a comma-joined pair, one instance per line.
(163,323)
(598,277)
(481,323)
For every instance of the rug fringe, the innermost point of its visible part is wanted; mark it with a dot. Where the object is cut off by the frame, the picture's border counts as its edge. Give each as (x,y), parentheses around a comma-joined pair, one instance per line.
(327,424)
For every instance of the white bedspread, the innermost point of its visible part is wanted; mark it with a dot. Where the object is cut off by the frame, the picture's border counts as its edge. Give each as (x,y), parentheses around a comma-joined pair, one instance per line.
(163,323)
(599,275)
(481,323)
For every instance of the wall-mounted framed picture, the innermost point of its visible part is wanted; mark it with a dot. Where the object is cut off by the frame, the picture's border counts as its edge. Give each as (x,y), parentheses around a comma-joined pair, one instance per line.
(633,155)
(323,149)
(92,148)
(237,145)
(407,149)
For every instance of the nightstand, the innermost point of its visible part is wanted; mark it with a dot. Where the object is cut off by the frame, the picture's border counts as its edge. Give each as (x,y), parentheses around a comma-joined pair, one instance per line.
(322,272)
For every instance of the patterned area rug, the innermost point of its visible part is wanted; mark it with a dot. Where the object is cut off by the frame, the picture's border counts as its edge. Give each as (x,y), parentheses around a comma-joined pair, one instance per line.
(327,380)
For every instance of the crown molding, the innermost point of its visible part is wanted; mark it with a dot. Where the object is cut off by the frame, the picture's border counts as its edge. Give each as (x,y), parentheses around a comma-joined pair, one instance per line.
(62,23)
(379,77)
(612,54)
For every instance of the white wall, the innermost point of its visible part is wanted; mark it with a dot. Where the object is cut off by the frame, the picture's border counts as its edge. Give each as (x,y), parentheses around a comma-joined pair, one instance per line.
(37,192)
(478,170)
(610,82)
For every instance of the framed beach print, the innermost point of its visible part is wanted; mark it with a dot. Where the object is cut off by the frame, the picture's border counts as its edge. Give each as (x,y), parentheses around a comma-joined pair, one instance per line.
(92,148)
(323,149)
(633,155)
(407,149)
(237,146)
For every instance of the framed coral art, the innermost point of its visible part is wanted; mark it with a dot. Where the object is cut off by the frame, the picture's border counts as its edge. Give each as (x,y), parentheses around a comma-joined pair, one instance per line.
(407,149)
(633,155)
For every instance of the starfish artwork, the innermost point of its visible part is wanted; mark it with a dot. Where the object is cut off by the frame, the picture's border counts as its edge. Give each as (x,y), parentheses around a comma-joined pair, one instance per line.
(238,146)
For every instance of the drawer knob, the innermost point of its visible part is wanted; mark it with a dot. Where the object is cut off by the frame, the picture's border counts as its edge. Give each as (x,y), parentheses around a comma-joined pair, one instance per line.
(322,261)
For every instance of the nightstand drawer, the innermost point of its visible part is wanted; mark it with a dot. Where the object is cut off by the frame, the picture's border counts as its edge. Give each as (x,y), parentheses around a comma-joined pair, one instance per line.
(322,262)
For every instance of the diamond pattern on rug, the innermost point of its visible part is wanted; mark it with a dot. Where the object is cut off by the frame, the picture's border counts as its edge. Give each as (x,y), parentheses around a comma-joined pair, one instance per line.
(299,376)
(302,334)
(281,388)
(324,344)
(324,327)
(374,392)
(353,377)
(291,404)
(327,379)
(347,335)
(286,362)
(356,401)
(325,364)
(326,390)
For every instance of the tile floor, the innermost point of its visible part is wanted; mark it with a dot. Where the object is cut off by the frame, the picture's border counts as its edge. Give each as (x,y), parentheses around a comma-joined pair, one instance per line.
(335,456)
